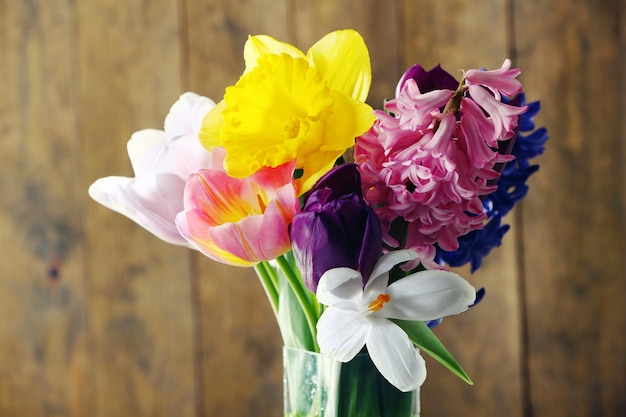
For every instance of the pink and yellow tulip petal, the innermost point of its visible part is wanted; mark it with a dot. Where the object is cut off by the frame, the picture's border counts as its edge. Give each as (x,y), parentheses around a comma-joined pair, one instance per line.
(239,221)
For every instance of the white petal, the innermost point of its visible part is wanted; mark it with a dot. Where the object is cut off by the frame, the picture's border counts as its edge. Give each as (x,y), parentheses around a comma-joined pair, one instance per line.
(152,151)
(185,116)
(375,286)
(389,260)
(428,295)
(148,210)
(341,334)
(108,192)
(144,148)
(395,356)
(182,156)
(340,285)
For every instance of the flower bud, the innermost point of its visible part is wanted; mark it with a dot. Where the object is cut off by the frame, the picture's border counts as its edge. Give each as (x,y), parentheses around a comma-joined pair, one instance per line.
(335,228)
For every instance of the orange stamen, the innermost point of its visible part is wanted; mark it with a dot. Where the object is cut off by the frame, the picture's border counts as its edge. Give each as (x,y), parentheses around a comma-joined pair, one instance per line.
(261,203)
(379,302)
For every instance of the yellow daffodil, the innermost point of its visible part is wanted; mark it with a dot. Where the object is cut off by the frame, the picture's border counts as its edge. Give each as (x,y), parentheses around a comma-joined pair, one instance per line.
(290,106)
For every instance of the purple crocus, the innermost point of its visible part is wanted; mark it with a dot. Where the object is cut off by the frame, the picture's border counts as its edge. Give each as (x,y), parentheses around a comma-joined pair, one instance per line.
(335,228)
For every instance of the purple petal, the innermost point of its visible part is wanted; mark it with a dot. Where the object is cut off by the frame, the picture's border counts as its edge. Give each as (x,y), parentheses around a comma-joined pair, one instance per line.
(435,79)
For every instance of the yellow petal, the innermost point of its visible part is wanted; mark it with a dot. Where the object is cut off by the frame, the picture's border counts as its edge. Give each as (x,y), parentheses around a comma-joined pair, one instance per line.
(350,118)
(343,59)
(259,45)
(216,253)
(315,166)
(211,126)
(274,114)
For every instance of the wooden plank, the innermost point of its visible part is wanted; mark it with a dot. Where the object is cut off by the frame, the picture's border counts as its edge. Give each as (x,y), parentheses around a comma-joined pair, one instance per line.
(214,34)
(139,290)
(456,34)
(486,340)
(240,355)
(99,315)
(574,224)
(44,345)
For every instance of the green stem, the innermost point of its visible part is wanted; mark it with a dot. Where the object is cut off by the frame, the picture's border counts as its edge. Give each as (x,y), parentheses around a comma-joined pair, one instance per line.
(268,281)
(271,271)
(308,306)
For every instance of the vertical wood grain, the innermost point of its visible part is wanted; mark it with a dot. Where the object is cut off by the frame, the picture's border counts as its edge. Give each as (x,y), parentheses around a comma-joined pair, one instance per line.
(240,346)
(100,318)
(139,287)
(215,32)
(45,352)
(457,34)
(574,224)
(485,340)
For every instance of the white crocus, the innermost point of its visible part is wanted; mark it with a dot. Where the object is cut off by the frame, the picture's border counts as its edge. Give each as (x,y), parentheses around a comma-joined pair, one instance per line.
(161,160)
(358,316)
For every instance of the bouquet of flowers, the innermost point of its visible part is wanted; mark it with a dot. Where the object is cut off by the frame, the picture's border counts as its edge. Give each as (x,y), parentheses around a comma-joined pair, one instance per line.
(349,215)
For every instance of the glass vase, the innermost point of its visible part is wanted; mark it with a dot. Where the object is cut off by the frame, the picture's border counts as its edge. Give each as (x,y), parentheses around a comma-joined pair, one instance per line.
(317,386)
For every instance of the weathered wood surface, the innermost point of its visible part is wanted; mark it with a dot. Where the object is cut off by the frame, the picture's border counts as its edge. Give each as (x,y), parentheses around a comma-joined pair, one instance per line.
(99,318)
(573,239)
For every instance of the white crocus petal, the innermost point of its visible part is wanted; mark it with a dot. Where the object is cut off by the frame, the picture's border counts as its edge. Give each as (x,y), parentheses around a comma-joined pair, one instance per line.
(379,278)
(428,295)
(376,285)
(341,333)
(340,285)
(389,260)
(395,356)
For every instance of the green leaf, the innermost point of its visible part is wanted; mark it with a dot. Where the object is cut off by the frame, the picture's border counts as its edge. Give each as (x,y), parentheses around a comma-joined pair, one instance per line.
(291,318)
(425,339)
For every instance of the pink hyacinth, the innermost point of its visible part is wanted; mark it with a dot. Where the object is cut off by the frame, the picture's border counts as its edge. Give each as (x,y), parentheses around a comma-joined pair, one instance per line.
(428,162)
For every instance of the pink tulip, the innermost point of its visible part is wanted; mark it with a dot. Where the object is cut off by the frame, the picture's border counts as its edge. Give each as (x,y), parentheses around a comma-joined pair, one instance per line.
(161,160)
(240,221)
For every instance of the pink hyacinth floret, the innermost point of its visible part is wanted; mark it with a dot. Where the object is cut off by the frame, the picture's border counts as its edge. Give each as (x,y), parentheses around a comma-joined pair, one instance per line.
(502,80)
(429,161)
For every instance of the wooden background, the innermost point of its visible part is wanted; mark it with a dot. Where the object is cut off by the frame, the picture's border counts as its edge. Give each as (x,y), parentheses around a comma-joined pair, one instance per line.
(100,319)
